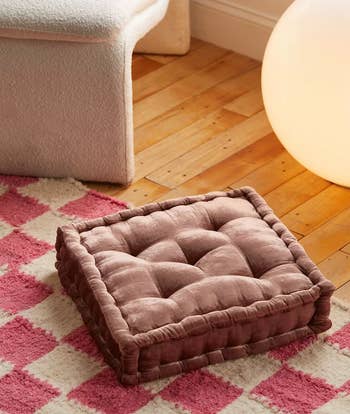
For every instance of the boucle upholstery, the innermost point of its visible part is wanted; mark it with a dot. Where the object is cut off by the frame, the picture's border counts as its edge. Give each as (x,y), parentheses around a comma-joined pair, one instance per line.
(66,106)
(84,20)
(172,35)
(181,284)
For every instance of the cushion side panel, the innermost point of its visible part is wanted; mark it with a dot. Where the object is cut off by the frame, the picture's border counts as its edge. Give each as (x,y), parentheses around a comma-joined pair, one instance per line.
(218,345)
(320,321)
(97,308)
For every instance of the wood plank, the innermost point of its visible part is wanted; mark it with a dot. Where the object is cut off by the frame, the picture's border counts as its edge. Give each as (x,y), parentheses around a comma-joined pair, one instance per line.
(346,249)
(105,188)
(297,235)
(318,209)
(136,57)
(194,109)
(343,293)
(141,192)
(142,66)
(165,59)
(295,191)
(248,104)
(176,70)
(183,141)
(213,151)
(178,92)
(271,175)
(236,166)
(336,268)
(175,193)
(328,238)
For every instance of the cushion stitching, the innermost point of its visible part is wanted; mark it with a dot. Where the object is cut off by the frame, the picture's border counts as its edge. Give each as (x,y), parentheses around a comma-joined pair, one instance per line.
(248,345)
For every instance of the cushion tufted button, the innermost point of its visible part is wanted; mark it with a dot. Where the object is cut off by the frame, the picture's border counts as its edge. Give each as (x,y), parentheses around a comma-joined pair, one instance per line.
(195,243)
(223,260)
(172,277)
(164,251)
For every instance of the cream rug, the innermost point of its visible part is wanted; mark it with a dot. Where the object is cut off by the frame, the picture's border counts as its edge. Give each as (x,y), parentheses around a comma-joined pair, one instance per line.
(49,364)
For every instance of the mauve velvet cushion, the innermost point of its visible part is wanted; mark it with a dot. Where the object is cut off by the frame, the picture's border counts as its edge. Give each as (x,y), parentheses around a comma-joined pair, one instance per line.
(184,283)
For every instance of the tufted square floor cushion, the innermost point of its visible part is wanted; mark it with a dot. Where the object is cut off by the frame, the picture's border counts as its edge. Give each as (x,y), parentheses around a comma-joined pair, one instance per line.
(177,285)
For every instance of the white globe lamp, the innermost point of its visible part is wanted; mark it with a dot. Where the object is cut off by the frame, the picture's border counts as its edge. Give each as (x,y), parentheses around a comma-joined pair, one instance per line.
(306,85)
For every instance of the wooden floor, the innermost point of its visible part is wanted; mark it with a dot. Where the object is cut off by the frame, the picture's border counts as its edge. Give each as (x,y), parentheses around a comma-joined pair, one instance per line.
(200,126)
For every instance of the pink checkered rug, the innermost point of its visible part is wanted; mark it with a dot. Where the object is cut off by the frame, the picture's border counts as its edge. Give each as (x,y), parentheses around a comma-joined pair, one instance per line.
(49,364)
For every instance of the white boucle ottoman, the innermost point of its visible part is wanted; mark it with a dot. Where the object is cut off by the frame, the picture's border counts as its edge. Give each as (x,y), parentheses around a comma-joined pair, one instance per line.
(65,82)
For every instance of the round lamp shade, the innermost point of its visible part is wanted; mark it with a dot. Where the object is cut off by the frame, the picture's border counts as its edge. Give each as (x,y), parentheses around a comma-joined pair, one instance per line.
(306,85)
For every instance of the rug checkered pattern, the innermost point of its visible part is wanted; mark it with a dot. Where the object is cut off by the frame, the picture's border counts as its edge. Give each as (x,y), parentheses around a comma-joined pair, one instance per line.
(50,365)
